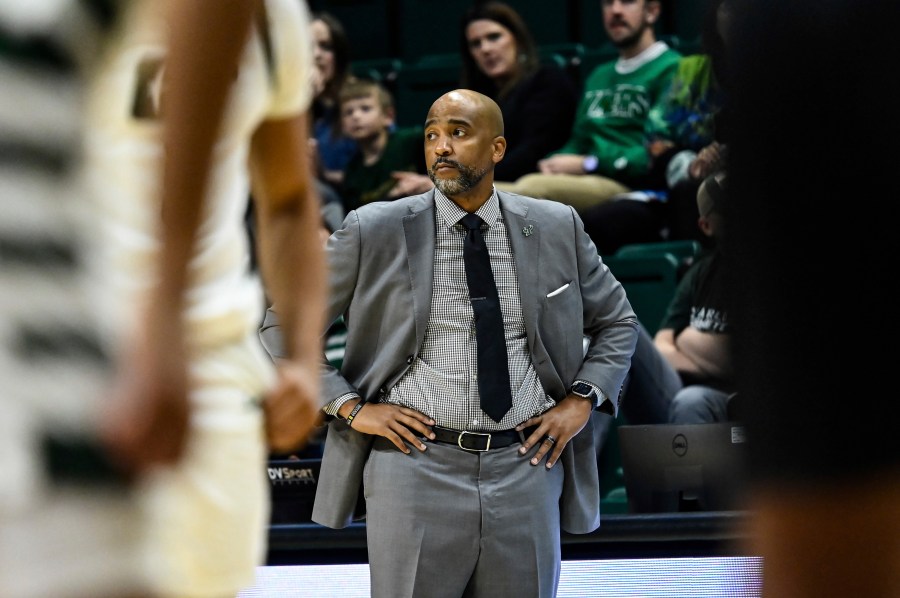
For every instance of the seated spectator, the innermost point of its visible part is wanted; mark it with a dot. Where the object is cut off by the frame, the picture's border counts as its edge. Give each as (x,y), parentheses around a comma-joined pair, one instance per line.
(695,334)
(683,374)
(332,61)
(605,153)
(685,141)
(389,162)
(538,101)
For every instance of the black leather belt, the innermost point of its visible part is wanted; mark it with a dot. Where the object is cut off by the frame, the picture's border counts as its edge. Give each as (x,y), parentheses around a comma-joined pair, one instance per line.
(479,442)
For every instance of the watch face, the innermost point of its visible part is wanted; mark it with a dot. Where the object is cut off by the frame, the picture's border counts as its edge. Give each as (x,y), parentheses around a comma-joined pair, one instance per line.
(582,389)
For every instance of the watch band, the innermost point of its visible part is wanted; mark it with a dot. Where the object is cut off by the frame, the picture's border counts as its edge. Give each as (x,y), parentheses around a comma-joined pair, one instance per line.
(356,408)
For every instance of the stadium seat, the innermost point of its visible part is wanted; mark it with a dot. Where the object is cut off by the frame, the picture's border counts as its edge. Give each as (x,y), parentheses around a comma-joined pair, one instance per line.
(685,251)
(649,281)
(567,56)
(613,498)
(421,82)
(682,249)
(383,70)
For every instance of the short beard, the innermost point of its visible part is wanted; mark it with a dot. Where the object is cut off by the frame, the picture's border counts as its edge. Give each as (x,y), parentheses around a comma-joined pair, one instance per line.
(466,180)
(631,40)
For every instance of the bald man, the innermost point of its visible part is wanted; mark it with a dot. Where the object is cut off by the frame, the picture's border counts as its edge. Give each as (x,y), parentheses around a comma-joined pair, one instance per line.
(460,502)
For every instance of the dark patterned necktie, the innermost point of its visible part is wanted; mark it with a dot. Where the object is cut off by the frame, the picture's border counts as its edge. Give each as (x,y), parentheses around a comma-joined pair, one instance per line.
(493,367)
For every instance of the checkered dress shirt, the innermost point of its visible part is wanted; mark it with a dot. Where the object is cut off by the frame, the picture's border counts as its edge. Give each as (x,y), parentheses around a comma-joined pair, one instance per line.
(442,382)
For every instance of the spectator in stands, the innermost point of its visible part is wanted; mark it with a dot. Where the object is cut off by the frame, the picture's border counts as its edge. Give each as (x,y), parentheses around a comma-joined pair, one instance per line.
(685,141)
(695,335)
(605,154)
(389,162)
(538,101)
(332,60)
(683,374)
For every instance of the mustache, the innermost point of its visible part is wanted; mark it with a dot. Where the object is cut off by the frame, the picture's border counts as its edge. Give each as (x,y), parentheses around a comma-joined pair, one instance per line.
(446,161)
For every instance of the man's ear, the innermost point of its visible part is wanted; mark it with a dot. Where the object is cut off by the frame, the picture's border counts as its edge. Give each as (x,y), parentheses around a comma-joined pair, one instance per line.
(653,8)
(499,145)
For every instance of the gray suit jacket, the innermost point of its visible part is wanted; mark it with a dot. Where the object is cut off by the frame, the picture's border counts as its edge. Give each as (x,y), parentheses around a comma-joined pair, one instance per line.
(381,265)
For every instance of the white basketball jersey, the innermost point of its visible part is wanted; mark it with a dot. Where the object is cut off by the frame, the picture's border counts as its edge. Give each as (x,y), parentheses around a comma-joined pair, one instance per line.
(225,300)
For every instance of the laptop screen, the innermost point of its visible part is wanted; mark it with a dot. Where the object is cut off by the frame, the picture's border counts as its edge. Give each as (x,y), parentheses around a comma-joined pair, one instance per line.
(672,468)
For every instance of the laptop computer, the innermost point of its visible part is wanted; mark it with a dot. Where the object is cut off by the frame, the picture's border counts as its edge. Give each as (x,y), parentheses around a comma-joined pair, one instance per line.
(293,488)
(672,468)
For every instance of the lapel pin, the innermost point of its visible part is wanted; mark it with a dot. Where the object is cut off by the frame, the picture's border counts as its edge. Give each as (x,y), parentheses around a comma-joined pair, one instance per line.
(527,230)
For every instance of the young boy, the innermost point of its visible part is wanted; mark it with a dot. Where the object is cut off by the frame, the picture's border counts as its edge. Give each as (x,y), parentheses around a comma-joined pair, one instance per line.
(389,162)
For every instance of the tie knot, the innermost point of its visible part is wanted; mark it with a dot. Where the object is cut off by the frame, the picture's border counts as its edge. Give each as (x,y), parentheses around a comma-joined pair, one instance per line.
(471,221)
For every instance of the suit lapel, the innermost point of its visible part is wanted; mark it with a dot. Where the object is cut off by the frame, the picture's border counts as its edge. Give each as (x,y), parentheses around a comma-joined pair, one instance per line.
(525,240)
(418,227)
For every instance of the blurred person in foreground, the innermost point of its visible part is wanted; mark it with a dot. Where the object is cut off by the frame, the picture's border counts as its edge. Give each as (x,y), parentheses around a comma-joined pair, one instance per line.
(331,150)
(75,442)
(207,517)
(810,167)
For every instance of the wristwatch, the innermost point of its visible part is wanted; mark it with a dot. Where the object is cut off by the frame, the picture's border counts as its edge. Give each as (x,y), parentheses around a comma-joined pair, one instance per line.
(590,164)
(583,389)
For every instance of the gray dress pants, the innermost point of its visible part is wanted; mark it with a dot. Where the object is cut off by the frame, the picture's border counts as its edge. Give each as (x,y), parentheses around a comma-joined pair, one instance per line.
(449,523)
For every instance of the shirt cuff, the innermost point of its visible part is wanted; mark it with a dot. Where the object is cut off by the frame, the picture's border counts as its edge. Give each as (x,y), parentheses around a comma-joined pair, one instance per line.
(333,407)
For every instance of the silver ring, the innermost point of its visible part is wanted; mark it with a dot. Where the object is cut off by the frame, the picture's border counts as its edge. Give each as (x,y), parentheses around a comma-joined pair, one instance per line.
(550,439)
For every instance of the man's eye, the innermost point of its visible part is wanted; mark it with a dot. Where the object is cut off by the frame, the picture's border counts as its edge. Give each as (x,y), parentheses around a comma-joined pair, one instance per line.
(459,132)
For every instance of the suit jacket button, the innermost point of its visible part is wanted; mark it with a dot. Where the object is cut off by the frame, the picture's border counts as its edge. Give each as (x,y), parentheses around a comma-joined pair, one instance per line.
(410,359)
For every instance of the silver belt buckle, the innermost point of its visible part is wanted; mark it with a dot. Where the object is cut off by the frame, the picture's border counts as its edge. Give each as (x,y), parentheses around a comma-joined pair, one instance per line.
(485,449)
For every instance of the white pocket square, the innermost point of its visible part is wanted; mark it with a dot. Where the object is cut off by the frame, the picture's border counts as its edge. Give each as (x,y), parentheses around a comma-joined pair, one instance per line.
(558,291)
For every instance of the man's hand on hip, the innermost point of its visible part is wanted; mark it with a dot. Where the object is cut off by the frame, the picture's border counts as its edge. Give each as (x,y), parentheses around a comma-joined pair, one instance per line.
(398,424)
(555,428)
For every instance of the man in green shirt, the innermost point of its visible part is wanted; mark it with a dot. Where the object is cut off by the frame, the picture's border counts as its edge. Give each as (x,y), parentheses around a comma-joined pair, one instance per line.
(605,154)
